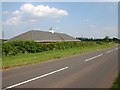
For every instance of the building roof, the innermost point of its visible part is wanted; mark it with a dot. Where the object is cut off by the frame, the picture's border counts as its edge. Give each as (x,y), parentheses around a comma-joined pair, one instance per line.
(42,36)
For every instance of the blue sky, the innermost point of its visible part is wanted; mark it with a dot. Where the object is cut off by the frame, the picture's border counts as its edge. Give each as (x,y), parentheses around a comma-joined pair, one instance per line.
(86,19)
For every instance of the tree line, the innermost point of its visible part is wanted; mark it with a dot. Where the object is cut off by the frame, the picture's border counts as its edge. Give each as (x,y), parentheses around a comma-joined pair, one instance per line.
(105,39)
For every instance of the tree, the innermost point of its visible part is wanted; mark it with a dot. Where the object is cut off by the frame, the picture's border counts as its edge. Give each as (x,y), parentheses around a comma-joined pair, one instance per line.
(106,39)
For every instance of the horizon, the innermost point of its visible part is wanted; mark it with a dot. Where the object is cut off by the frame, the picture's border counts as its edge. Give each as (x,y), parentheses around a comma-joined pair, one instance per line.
(61,33)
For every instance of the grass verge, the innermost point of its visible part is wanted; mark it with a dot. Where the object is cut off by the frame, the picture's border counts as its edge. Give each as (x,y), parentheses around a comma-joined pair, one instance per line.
(30,58)
(116,84)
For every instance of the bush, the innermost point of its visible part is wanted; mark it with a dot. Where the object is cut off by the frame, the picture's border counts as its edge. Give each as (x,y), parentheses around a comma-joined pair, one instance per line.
(15,47)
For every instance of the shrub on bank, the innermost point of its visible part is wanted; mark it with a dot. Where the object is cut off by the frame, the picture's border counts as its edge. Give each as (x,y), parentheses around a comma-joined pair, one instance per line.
(16,47)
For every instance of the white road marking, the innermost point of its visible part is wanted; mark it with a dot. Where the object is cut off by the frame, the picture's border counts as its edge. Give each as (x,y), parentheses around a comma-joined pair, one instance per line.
(93,57)
(36,78)
(116,49)
(109,51)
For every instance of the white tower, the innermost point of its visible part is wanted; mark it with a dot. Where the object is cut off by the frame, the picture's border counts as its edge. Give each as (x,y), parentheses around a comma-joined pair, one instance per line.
(51,30)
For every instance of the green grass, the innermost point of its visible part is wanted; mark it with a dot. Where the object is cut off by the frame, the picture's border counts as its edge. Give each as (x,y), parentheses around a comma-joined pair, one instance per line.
(30,58)
(116,84)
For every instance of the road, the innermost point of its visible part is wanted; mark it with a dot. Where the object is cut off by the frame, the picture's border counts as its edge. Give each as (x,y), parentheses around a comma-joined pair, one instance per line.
(96,69)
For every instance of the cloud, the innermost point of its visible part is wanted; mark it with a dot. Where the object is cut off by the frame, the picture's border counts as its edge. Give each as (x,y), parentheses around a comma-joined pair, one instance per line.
(92,26)
(32,20)
(12,21)
(31,13)
(17,12)
(57,21)
(5,12)
(41,10)
(87,20)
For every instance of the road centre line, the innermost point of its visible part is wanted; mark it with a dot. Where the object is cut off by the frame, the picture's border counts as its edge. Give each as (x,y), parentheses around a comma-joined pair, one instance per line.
(116,49)
(109,51)
(93,57)
(44,75)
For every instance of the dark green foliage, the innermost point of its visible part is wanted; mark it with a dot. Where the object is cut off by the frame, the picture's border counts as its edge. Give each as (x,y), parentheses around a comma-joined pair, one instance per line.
(16,47)
(105,39)
(116,84)
(100,43)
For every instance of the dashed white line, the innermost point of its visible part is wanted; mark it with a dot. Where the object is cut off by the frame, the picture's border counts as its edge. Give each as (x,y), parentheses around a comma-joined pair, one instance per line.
(116,49)
(93,57)
(36,78)
(109,51)
(112,50)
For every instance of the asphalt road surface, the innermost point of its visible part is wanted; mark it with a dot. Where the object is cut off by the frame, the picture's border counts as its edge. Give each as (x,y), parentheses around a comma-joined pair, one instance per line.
(97,69)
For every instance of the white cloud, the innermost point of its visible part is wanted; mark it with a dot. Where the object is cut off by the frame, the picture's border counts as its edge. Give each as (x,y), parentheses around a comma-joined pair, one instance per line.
(87,20)
(57,21)
(92,26)
(31,13)
(17,12)
(32,20)
(41,10)
(5,12)
(12,21)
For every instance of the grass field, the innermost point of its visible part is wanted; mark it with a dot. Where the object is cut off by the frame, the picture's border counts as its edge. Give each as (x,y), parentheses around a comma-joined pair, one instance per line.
(30,58)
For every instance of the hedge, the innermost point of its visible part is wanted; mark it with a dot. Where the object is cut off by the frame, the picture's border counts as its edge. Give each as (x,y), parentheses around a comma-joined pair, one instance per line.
(16,47)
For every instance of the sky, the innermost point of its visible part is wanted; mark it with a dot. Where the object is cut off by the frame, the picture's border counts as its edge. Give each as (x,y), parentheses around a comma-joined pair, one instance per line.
(78,19)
